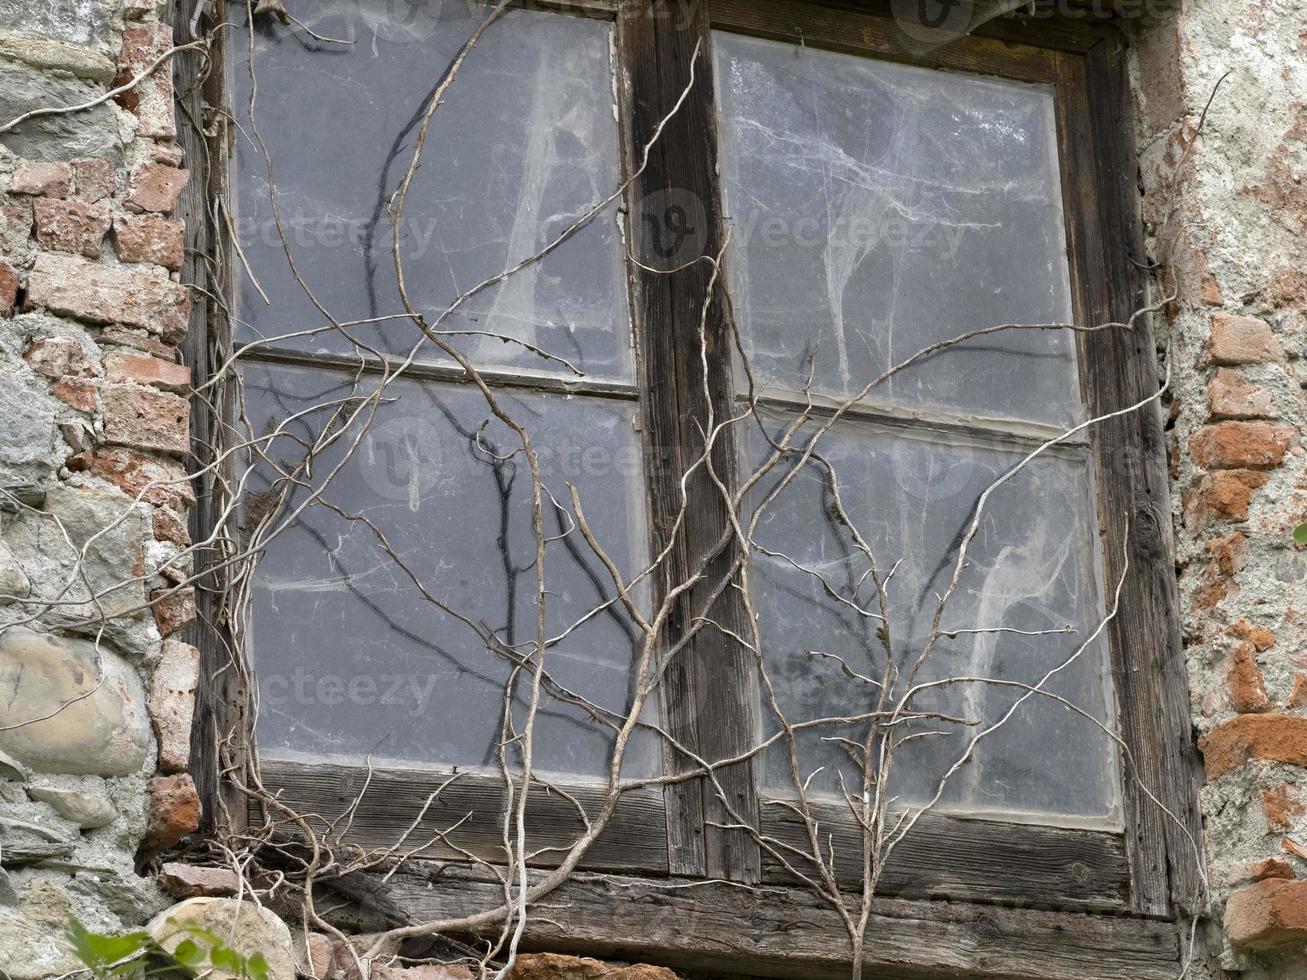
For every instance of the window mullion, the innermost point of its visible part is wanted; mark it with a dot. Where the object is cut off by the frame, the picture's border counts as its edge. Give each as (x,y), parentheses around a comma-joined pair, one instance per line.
(709,698)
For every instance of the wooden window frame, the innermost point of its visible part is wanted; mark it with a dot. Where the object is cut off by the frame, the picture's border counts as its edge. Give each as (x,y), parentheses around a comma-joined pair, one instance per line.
(962,897)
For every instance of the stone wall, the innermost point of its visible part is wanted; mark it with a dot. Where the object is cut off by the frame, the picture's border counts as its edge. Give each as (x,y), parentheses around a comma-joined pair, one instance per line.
(97,688)
(1236,336)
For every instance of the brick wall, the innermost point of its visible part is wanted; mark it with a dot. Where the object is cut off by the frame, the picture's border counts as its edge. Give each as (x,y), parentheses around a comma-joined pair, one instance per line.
(1236,338)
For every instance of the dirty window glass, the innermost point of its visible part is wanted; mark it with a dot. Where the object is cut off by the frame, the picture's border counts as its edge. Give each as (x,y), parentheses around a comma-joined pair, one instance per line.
(876,209)
(1032,567)
(364,652)
(524,143)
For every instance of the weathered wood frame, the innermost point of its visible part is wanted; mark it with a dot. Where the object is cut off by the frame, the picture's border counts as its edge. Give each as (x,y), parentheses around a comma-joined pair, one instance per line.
(1146,878)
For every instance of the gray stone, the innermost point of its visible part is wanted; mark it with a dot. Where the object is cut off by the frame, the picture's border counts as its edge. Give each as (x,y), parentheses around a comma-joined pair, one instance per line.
(31,937)
(30,450)
(87,811)
(8,896)
(256,930)
(80,135)
(85,710)
(13,582)
(11,768)
(57,56)
(111,531)
(90,23)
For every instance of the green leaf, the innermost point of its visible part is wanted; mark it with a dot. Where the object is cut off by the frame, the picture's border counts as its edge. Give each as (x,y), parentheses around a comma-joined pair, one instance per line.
(225,958)
(1300,534)
(188,953)
(258,966)
(94,949)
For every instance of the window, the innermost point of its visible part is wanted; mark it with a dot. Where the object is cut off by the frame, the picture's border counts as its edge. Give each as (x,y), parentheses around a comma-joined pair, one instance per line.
(807,202)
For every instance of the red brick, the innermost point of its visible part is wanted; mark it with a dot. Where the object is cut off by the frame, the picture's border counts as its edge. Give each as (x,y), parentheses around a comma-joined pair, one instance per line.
(137,339)
(9,283)
(1267,915)
(1244,682)
(145,418)
(1211,291)
(1228,554)
(71,226)
(1224,495)
(58,357)
(168,527)
(15,229)
(1240,445)
(105,294)
(146,370)
(173,609)
(172,811)
(1259,636)
(151,99)
(1229,396)
(1268,738)
(42,179)
(190,881)
(1262,870)
(77,392)
(156,187)
(1298,696)
(148,238)
(133,472)
(1281,805)
(1243,340)
(169,154)
(93,180)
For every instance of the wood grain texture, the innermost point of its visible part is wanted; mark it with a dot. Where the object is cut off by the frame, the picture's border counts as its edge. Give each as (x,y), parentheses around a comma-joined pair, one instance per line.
(787,932)
(709,704)
(1118,370)
(948,858)
(200,82)
(862,33)
(634,839)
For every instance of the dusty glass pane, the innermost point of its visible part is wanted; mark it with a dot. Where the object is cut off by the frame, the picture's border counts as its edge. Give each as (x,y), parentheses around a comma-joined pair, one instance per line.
(524,143)
(352,658)
(1031,567)
(876,209)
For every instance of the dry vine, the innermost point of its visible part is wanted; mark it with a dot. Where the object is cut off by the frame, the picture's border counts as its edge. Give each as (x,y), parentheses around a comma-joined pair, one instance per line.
(294,859)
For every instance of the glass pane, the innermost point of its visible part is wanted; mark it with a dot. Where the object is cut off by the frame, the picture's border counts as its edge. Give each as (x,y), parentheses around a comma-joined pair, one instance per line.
(352,658)
(876,209)
(524,143)
(1031,567)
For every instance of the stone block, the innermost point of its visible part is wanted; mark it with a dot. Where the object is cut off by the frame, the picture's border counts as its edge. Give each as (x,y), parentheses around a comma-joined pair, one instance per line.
(253,930)
(172,703)
(77,710)
(67,136)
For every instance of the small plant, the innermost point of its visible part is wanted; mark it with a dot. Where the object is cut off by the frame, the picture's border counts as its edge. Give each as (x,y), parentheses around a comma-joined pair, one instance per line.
(137,955)
(1300,534)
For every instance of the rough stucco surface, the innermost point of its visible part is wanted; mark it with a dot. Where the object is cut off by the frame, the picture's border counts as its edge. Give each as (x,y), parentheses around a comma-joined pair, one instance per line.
(1236,337)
